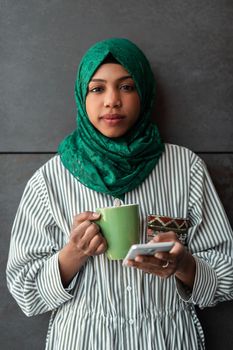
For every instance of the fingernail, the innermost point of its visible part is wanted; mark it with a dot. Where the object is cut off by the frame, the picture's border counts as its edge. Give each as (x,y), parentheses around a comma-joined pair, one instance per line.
(139,259)
(95,215)
(155,238)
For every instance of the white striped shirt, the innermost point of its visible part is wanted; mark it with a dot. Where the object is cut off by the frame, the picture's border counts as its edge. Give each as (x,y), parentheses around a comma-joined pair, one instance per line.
(108,306)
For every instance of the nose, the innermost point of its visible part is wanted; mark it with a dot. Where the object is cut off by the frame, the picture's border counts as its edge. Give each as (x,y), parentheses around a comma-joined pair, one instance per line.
(112,99)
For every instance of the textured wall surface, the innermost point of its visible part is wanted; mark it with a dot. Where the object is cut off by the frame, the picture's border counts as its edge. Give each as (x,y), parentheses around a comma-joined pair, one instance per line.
(190,46)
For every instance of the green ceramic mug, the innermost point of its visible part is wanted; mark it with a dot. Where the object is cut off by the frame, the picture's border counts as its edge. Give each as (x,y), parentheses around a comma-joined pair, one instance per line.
(120,227)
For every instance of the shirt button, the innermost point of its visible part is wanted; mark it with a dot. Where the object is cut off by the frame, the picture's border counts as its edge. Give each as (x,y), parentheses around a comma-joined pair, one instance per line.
(131,321)
(129,289)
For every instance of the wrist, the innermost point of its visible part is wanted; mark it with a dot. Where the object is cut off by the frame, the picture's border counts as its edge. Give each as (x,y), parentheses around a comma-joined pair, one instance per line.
(71,253)
(70,260)
(186,270)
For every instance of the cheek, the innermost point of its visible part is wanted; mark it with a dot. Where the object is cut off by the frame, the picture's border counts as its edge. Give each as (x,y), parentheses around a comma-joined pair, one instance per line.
(136,105)
(90,107)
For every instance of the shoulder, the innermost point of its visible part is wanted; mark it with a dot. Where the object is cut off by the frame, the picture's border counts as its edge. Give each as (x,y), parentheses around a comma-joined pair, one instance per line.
(180,161)
(180,154)
(52,168)
(49,172)
(172,149)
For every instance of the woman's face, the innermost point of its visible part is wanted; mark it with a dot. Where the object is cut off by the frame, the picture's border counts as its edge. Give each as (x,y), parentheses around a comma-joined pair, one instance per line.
(112,101)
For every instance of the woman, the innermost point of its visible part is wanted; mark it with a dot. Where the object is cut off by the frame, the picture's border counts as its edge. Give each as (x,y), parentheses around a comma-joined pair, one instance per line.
(57,259)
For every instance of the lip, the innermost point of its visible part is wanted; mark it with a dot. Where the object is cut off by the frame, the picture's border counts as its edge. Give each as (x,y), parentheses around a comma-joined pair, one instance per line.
(112,116)
(112,119)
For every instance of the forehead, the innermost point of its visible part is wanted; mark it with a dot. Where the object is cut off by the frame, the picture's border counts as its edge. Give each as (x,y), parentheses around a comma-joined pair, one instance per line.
(111,71)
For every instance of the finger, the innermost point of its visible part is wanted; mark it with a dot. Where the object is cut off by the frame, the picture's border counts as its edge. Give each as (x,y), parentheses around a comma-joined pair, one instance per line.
(175,254)
(82,234)
(145,261)
(150,260)
(148,266)
(96,246)
(178,254)
(79,231)
(163,256)
(165,237)
(153,269)
(177,249)
(91,232)
(175,257)
(101,248)
(87,215)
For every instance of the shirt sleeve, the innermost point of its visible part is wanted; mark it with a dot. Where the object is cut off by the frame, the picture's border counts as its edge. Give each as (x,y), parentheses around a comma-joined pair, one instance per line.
(210,240)
(33,276)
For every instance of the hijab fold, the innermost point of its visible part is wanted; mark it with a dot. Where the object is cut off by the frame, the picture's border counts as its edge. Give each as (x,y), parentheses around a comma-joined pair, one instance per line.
(113,166)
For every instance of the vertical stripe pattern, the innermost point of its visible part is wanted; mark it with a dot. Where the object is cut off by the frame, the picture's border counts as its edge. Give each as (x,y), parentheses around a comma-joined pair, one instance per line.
(108,306)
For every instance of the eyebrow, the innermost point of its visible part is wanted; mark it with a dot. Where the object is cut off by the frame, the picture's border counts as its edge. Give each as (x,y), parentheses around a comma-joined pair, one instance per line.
(103,80)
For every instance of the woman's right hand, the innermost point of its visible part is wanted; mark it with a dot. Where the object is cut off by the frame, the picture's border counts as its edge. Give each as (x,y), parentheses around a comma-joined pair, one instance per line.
(86,235)
(85,240)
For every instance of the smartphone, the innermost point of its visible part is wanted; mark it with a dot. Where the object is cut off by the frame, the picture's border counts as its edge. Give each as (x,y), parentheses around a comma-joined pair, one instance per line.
(148,249)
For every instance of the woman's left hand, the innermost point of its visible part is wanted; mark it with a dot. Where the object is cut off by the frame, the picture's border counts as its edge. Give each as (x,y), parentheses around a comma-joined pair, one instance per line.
(164,264)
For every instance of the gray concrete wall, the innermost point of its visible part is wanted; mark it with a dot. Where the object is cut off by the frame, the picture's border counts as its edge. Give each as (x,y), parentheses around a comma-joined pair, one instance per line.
(190,46)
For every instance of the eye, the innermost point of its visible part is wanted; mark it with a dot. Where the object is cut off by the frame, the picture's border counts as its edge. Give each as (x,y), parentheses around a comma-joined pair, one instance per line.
(96,89)
(127,87)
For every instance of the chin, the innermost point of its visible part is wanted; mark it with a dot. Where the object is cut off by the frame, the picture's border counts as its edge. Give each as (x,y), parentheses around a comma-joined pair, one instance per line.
(114,134)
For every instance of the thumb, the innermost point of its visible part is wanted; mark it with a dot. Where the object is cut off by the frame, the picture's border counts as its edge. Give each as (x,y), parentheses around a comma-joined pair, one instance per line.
(87,215)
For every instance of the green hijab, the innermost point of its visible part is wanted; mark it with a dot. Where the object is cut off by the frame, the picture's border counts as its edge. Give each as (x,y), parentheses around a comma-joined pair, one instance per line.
(113,166)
